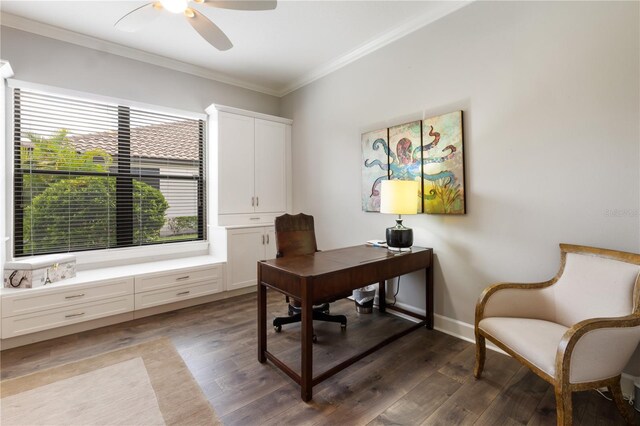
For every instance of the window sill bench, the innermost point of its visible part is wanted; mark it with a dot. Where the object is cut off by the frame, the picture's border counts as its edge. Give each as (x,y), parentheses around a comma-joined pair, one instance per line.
(100,297)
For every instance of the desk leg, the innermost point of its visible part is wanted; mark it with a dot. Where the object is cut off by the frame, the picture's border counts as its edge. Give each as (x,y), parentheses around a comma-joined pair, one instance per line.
(306,368)
(382,296)
(429,293)
(262,319)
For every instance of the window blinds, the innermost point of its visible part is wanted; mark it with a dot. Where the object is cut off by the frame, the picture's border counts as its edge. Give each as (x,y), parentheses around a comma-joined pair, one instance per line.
(91,175)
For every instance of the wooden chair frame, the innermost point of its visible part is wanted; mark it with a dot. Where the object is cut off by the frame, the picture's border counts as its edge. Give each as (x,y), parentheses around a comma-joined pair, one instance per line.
(562,386)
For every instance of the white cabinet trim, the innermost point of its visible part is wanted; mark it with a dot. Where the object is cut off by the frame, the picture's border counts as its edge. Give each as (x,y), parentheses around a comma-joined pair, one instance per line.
(212,109)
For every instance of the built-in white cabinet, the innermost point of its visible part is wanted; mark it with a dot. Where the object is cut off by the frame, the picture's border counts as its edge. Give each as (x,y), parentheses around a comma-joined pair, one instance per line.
(245,247)
(249,186)
(250,166)
(30,310)
(88,297)
(175,286)
(236,163)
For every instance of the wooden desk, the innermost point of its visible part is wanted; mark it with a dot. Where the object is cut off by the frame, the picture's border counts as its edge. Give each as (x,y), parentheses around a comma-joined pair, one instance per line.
(325,276)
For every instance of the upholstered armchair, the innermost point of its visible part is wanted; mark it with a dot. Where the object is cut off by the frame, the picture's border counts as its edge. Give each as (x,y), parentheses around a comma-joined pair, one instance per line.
(577,331)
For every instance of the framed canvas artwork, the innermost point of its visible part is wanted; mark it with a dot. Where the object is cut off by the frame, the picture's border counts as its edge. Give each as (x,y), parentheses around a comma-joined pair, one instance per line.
(443,164)
(429,151)
(375,168)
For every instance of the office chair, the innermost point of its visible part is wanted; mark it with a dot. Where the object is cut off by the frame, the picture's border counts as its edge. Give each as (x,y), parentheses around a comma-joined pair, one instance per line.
(295,235)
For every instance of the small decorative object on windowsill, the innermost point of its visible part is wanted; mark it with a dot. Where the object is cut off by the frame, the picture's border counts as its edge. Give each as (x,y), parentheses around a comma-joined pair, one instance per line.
(36,271)
(399,197)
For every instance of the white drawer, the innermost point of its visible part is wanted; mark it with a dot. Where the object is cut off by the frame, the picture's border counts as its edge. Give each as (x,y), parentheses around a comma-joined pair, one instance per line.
(177,293)
(184,277)
(45,298)
(257,219)
(31,323)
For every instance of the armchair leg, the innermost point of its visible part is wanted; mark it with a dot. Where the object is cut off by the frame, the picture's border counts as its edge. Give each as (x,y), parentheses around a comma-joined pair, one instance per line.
(481,351)
(616,393)
(564,406)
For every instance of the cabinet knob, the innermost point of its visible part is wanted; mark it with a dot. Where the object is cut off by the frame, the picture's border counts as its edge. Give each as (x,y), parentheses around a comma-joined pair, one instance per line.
(257,201)
(262,239)
(253,201)
(267,238)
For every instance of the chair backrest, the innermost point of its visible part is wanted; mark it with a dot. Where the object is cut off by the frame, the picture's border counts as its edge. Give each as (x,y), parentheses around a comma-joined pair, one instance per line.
(595,283)
(295,235)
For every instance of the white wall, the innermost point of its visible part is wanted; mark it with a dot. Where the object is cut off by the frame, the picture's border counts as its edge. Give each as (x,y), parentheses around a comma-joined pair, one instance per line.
(43,60)
(550,94)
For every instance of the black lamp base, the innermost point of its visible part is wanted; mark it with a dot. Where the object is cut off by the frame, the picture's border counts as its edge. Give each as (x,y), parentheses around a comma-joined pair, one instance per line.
(399,237)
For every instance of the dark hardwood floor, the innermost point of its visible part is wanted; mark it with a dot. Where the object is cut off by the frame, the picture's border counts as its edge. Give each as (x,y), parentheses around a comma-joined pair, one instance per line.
(423,378)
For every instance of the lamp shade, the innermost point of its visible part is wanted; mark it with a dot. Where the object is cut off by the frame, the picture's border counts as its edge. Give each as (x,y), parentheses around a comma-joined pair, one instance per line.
(399,196)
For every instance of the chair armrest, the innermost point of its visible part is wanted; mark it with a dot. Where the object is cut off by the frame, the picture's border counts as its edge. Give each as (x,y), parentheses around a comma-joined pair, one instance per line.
(511,299)
(597,349)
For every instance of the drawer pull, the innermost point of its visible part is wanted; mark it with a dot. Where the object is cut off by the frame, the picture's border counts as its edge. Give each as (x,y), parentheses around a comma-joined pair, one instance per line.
(182,293)
(254,218)
(186,277)
(74,315)
(74,296)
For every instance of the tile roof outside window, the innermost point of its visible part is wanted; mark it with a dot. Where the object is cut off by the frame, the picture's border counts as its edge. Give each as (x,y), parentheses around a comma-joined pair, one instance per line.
(176,141)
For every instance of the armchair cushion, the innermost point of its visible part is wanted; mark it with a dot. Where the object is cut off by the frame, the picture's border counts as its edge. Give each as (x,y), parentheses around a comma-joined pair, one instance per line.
(593,287)
(534,340)
(602,353)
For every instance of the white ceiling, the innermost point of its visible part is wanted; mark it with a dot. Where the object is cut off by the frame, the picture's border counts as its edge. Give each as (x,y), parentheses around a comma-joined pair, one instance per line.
(274,51)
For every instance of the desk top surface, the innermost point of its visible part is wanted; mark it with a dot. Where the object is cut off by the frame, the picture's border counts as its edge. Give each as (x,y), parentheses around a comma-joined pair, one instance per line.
(325,262)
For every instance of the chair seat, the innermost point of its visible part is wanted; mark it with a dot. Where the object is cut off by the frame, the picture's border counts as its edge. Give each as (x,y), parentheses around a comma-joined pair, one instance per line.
(535,340)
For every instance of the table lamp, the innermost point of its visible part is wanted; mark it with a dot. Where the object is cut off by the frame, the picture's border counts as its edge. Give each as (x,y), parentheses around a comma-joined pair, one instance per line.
(399,197)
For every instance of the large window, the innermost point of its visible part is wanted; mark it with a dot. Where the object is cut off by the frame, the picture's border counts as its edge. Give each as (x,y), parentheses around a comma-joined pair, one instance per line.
(91,176)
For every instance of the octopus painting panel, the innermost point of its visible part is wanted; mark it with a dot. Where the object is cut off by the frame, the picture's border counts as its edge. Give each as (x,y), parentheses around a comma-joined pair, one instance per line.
(375,169)
(443,164)
(404,153)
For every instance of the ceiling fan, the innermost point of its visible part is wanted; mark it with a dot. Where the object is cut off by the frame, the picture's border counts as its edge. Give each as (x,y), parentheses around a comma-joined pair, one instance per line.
(144,14)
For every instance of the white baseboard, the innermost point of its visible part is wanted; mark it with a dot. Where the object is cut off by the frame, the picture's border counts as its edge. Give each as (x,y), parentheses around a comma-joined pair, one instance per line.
(465,331)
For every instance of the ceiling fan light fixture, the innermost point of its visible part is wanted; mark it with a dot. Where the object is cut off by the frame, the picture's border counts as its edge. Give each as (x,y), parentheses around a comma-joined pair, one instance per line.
(189,13)
(174,6)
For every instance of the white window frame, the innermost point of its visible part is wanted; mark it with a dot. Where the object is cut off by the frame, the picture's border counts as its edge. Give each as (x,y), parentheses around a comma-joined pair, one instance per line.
(102,257)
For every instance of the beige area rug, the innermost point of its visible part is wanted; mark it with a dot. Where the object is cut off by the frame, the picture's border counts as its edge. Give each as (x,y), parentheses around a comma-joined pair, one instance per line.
(146,384)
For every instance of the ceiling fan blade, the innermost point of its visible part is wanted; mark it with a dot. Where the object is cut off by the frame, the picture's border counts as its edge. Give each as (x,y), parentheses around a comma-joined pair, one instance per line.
(243,4)
(209,31)
(137,18)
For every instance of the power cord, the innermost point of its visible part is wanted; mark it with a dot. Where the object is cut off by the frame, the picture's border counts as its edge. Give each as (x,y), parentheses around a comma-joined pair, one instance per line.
(628,399)
(396,293)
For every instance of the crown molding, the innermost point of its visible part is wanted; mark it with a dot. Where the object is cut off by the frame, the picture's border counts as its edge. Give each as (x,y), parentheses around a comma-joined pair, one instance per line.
(375,44)
(50,31)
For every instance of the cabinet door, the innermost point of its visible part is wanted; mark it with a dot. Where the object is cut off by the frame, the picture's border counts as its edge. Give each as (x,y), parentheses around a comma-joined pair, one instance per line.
(270,160)
(235,163)
(270,247)
(245,248)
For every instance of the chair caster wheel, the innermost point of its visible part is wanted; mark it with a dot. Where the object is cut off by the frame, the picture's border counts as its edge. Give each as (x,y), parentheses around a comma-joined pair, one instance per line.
(277,328)
(343,326)
(314,339)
